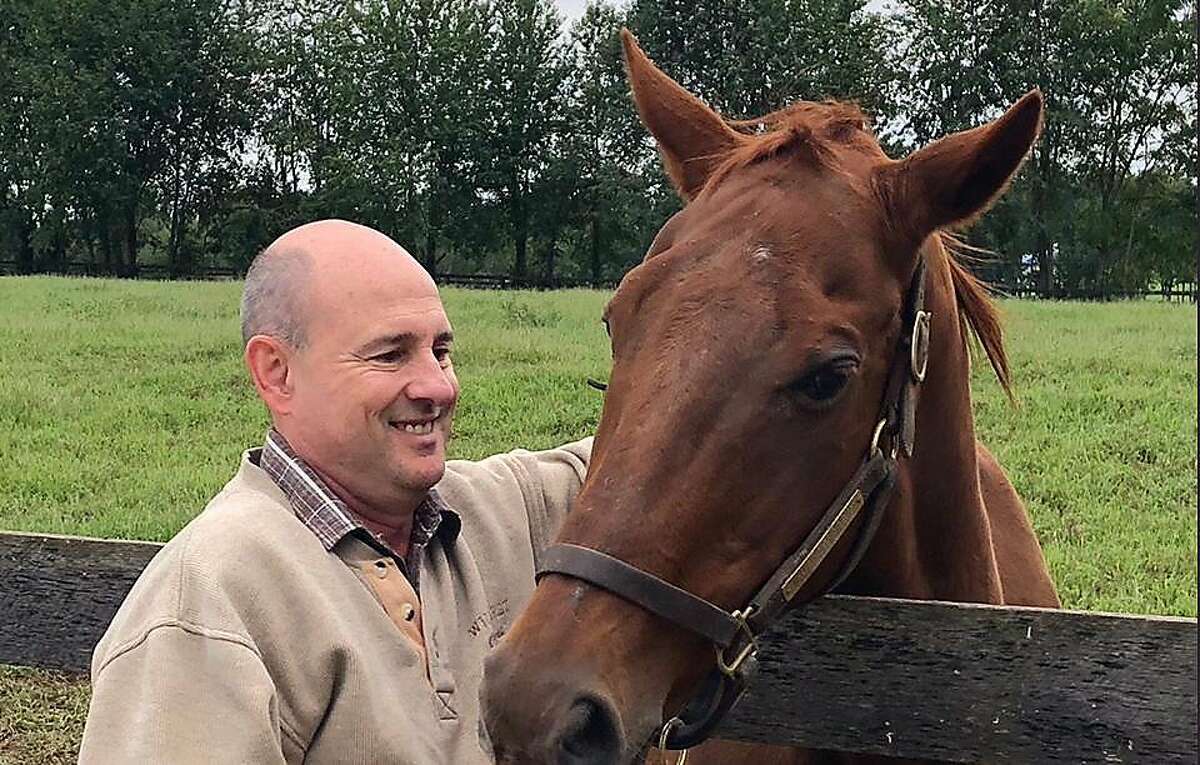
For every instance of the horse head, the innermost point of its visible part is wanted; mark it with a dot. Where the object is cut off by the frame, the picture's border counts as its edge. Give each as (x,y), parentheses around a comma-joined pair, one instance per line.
(752,349)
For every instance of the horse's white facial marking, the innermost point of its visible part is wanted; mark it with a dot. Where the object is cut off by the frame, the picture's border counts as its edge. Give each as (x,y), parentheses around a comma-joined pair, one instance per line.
(760,253)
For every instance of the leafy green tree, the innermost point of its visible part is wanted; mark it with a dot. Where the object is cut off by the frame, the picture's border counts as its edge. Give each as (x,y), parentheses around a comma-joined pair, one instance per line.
(750,58)
(210,100)
(612,159)
(1115,77)
(17,159)
(483,135)
(524,88)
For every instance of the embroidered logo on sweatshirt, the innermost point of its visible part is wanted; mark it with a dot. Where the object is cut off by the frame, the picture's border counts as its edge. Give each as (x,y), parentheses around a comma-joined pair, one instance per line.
(494,620)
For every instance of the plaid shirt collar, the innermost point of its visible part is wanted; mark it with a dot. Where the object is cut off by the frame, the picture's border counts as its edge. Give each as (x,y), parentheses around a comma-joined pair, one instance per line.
(331,520)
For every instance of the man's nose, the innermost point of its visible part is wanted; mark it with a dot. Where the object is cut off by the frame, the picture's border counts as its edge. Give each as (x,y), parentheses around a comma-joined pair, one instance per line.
(432,382)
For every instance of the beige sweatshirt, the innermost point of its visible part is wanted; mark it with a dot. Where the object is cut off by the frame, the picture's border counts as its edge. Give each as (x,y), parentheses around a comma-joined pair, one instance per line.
(244,641)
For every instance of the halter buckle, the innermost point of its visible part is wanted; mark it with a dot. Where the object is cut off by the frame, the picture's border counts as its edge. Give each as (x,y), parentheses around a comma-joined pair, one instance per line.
(918,359)
(731,668)
(665,737)
(874,448)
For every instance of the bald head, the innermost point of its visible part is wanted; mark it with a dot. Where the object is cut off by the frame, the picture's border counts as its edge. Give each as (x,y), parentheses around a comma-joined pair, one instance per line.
(314,263)
(349,347)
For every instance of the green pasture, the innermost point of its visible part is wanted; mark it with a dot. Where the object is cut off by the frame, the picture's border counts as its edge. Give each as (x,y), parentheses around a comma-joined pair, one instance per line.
(123,407)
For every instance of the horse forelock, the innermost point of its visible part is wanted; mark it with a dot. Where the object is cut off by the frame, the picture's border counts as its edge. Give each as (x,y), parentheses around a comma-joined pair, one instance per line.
(810,131)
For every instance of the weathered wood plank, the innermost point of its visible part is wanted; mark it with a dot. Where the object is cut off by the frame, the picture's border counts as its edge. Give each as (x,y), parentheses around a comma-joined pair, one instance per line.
(971,683)
(58,595)
(916,679)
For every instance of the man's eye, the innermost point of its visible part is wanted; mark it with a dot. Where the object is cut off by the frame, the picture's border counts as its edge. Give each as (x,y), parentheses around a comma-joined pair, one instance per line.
(389,357)
(442,355)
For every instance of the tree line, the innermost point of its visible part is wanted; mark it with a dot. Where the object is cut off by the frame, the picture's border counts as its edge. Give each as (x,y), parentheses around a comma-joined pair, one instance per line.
(490,136)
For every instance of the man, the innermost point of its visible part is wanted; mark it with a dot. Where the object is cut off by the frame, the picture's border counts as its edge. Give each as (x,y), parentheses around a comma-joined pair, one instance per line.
(333,603)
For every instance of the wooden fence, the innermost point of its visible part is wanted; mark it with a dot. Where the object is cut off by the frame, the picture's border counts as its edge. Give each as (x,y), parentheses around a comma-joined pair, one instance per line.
(949,681)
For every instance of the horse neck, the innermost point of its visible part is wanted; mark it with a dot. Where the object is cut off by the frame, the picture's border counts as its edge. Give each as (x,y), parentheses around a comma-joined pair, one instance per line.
(934,539)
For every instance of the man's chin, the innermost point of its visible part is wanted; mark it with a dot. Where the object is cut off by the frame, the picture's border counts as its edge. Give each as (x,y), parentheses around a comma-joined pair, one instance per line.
(420,459)
(424,474)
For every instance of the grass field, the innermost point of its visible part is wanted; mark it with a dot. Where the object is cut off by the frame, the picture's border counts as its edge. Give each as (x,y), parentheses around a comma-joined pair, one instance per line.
(123,407)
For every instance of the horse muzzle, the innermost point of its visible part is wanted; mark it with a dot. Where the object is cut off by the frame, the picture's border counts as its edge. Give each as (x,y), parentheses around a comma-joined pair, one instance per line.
(536,716)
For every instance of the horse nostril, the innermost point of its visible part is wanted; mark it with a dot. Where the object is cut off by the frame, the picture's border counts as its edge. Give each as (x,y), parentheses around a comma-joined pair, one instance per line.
(589,735)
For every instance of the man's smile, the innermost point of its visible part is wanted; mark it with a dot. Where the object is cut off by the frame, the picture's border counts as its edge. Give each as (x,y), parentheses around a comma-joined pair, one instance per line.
(420,426)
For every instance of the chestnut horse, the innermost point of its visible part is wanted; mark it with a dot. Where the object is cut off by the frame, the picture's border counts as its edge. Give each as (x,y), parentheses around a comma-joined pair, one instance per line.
(751,351)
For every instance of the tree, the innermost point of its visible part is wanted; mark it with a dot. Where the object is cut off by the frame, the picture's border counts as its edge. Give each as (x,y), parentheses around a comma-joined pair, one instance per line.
(750,58)
(1115,78)
(612,160)
(210,101)
(524,90)
(17,155)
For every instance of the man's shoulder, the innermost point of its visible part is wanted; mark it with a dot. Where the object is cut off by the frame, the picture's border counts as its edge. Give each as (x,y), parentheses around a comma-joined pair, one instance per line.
(518,494)
(250,515)
(245,539)
(517,464)
(497,483)
(511,475)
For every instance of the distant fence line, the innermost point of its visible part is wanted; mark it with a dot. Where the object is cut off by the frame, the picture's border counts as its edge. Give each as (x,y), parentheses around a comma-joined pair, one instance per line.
(148,271)
(1185,293)
(158,271)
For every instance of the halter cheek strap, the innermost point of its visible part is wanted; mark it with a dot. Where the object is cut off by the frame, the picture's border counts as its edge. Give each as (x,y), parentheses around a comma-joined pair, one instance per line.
(734,635)
(657,596)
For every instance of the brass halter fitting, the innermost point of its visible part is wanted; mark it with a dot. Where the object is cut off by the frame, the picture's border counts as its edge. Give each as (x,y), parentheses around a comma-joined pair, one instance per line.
(919,346)
(874,448)
(667,730)
(731,668)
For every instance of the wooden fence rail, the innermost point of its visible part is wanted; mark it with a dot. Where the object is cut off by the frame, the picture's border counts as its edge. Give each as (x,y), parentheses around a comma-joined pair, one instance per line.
(964,683)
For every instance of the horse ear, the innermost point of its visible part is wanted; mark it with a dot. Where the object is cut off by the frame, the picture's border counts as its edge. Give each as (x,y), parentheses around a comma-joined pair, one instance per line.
(954,180)
(691,137)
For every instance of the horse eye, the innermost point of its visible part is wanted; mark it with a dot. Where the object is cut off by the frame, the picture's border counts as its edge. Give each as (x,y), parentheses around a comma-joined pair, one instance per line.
(824,383)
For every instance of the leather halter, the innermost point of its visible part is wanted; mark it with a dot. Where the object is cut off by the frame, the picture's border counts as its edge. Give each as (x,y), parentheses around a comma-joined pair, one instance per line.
(734,635)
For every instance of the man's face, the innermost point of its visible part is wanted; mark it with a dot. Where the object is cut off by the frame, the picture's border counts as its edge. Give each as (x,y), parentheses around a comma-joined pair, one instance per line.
(374,388)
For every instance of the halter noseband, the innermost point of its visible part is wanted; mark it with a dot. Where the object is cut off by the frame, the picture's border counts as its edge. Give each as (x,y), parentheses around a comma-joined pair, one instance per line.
(735,635)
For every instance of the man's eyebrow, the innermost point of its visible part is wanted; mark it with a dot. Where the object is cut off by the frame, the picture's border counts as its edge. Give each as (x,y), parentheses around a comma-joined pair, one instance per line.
(404,340)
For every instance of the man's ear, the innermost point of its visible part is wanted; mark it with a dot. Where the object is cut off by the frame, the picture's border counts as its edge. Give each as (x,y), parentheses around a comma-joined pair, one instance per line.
(954,180)
(692,138)
(269,361)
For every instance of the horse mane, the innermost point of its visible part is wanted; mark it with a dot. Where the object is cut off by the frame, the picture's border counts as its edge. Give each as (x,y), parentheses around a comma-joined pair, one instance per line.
(977,310)
(809,130)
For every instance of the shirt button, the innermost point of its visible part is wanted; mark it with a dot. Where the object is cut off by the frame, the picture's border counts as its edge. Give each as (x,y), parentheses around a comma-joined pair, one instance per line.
(381,568)
(407,612)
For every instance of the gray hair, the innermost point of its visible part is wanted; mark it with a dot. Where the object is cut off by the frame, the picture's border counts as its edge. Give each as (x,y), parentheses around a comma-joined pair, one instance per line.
(272,297)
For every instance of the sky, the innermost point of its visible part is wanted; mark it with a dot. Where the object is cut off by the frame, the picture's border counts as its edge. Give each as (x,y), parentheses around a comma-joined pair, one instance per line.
(571,9)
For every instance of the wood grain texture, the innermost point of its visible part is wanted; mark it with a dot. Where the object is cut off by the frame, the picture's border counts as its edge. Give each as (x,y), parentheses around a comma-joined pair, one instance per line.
(949,681)
(971,683)
(58,595)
